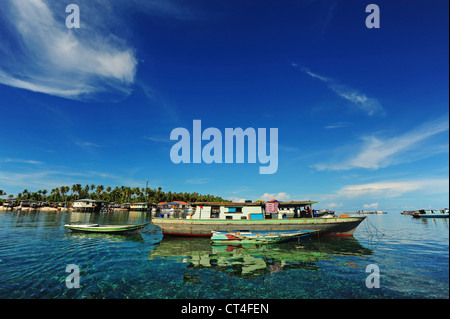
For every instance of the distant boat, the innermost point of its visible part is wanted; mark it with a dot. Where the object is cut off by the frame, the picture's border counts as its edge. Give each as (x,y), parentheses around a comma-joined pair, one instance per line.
(256,237)
(431,213)
(110,229)
(409,212)
(365,212)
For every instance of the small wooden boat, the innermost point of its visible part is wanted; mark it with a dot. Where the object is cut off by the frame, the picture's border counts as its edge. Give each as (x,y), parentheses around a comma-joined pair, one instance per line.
(257,237)
(110,229)
(431,213)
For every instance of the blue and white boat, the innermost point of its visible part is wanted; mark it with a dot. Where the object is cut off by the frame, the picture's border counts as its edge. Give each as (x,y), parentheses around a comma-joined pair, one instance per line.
(431,213)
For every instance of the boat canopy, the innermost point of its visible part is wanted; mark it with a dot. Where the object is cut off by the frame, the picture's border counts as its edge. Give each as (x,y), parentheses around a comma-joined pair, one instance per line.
(259,203)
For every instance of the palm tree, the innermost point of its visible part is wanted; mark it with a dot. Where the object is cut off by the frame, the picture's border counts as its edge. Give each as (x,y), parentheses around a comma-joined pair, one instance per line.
(99,189)
(64,191)
(86,191)
(76,188)
(73,189)
(57,194)
(26,194)
(136,191)
(108,191)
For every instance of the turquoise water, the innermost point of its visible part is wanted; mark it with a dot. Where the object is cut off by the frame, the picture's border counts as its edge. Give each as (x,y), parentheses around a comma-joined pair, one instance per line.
(412,256)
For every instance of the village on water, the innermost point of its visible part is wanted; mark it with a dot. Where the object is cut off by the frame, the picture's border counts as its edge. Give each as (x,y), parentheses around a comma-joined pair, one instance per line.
(192,214)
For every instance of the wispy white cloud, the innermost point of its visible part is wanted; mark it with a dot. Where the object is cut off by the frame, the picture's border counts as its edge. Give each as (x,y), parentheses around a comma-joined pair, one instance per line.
(86,144)
(357,99)
(19,160)
(277,196)
(198,181)
(334,205)
(370,206)
(382,194)
(40,54)
(236,199)
(159,139)
(52,59)
(377,152)
(391,189)
(88,147)
(337,125)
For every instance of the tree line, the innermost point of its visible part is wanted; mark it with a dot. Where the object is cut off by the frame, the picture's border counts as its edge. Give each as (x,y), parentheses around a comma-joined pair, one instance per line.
(122,194)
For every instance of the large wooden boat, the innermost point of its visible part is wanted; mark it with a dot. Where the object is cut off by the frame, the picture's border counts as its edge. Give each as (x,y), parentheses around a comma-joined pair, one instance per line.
(253,217)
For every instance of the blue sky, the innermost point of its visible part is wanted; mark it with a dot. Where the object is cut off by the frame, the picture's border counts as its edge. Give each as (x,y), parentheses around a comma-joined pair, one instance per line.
(362,114)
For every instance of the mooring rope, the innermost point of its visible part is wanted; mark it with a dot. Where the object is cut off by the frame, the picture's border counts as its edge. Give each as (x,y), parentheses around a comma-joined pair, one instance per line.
(377,233)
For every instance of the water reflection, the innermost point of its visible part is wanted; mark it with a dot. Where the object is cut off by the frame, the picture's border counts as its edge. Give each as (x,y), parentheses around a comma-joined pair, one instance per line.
(433,222)
(41,219)
(135,237)
(251,261)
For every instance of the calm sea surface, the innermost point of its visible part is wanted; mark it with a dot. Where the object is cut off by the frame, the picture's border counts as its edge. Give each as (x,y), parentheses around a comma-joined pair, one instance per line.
(412,256)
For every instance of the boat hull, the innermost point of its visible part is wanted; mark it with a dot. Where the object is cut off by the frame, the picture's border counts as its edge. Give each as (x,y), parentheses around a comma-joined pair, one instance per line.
(109,229)
(430,215)
(339,226)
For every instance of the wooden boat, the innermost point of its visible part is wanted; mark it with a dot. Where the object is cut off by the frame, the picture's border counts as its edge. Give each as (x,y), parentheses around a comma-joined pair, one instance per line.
(431,213)
(257,237)
(256,216)
(109,229)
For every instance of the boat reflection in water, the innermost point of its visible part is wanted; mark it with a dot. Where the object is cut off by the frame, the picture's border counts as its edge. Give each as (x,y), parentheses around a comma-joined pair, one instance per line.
(250,260)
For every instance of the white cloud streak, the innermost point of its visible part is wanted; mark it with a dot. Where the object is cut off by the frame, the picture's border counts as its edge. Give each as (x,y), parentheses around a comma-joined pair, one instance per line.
(158,139)
(337,125)
(52,59)
(359,100)
(370,206)
(391,189)
(198,181)
(277,196)
(19,160)
(379,193)
(86,145)
(379,152)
